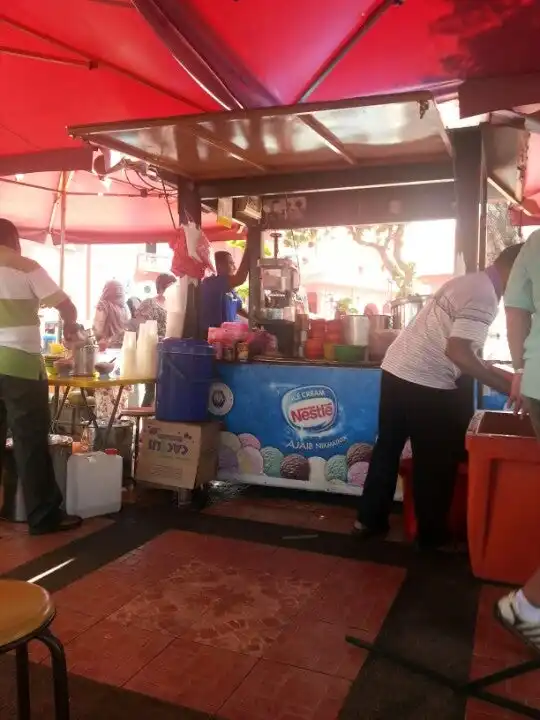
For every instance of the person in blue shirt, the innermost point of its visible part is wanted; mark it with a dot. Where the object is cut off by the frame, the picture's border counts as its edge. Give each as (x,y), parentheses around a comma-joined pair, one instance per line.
(219,301)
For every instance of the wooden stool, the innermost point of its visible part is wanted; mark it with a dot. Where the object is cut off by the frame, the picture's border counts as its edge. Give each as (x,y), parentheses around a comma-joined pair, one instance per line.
(26,611)
(137,413)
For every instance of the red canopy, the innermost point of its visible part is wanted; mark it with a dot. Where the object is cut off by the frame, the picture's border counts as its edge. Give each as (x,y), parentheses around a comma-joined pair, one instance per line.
(109,211)
(74,62)
(283,44)
(99,61)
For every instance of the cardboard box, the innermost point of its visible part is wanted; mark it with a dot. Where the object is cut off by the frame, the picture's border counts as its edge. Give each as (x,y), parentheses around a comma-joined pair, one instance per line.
(178,455)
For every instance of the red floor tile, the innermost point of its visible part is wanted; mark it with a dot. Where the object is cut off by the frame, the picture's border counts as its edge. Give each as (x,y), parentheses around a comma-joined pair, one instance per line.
(175,604)
(183,545)
(100,593)
(113,654)
(226,552)
(273,691)
(358,595)
(17,547)
(318,646)
(146,565)
(254,613)
(67,625)
(477,710)
(306,514)
(301,565)
(192,675)
(496,649)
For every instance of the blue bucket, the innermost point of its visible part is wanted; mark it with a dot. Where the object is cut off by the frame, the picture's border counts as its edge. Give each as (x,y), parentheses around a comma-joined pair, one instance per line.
(185,373)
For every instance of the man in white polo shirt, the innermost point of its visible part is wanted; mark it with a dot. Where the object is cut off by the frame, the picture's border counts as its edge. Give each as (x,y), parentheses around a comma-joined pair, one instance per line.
(420,400)
(24,391)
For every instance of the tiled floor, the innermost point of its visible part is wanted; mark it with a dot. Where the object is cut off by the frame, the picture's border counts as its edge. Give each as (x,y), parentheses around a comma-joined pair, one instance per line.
(228,626)
(494,650)
(17,547)
(244,630)
(305,514)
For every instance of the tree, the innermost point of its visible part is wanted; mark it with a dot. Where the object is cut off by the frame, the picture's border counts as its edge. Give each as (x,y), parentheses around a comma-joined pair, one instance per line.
(295,238)
(387,240)
(242,245)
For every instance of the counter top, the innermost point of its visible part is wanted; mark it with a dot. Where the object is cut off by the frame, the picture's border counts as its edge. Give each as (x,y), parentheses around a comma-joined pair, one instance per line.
(298,362)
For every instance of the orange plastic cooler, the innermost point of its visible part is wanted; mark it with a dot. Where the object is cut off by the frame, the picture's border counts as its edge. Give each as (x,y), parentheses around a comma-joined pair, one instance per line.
(457,521)
(504,497)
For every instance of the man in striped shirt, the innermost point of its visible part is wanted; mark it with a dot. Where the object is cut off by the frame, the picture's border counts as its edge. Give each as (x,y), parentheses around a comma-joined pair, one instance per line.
(24,392)
(420,400)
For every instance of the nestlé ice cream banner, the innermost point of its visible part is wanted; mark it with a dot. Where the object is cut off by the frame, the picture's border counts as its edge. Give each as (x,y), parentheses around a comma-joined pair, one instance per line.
(307,427)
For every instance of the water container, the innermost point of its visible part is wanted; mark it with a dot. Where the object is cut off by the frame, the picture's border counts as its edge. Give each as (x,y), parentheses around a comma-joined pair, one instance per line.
(94,484)
(185,372)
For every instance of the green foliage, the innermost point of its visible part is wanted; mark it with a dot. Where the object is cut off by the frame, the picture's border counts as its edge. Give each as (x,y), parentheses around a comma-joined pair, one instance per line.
(346,307)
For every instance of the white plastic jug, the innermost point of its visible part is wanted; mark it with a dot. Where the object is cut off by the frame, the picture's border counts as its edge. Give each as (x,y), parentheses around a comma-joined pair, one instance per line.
(94,484)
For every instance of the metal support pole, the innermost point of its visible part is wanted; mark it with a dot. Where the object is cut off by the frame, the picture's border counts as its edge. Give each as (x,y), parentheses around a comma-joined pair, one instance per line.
(256,251)
(471,189)
(190,211)
(63,206)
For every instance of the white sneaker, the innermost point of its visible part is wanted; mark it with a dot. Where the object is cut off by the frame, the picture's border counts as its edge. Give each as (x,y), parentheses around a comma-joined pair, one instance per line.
(506,612)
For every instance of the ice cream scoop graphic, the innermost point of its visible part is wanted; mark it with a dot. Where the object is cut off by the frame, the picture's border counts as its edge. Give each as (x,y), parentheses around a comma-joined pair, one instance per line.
(272,458)
(230,440)
(336,469)
(295,467)
(317,467)
(227,459)
(357,474)
(359,452)
(248,440)
(250,461)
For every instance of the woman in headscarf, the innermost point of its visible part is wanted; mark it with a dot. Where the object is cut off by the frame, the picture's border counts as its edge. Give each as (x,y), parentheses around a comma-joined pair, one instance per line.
(112,315)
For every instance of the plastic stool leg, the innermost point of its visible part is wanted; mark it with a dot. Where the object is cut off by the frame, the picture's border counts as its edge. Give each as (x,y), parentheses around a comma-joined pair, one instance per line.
(60,676)
(23,683)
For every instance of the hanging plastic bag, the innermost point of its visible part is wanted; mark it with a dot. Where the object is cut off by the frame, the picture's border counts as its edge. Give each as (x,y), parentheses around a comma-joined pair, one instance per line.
(191,252)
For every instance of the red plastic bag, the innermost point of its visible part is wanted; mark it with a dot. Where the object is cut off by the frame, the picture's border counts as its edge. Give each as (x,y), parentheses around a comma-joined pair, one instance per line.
(191,252)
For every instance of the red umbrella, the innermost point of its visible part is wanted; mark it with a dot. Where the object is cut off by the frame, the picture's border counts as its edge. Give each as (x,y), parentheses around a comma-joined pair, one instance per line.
(122,208)
(71,61)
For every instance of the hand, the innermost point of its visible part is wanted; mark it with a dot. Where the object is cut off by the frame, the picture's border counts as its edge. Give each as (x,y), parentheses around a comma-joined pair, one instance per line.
(71,331)
(102,345)
(516,398)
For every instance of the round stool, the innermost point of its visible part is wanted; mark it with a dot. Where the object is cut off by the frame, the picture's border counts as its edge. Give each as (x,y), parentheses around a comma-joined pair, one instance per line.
(137,414)
(26,611)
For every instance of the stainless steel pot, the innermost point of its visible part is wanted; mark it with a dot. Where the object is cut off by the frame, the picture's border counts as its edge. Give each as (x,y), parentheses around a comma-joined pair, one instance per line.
(84,360)
(356,330)
(120,438)
(379,322)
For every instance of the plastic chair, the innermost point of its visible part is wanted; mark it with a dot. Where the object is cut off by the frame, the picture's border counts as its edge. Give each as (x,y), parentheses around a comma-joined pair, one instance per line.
(26,611)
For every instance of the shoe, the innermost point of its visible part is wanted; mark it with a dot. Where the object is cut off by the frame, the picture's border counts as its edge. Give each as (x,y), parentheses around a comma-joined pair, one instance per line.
(506,612)
(362,532)
(64,524)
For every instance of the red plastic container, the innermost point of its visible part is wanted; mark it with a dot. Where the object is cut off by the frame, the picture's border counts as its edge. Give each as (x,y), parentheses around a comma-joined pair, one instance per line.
(504,497)
(457,521)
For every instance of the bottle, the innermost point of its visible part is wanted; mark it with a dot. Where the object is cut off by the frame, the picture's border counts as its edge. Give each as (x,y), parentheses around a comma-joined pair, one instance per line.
(86,440)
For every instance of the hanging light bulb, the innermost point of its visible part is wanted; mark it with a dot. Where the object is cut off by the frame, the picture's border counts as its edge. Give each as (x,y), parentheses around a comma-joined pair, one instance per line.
(107,182)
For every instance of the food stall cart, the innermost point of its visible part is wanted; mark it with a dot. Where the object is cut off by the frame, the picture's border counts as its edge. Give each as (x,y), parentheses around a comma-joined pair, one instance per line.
(294,422)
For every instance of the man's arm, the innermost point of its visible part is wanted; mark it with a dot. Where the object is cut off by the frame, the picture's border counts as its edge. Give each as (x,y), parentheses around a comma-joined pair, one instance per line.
(470,331)
(240,277)
(50,295)
(68,313)
(461,353)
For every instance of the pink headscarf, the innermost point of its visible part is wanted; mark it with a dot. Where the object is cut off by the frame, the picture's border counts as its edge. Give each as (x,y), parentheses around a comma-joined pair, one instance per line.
(113,303)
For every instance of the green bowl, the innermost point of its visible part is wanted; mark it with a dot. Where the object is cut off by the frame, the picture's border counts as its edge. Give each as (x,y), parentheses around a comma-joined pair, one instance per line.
(349,353)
